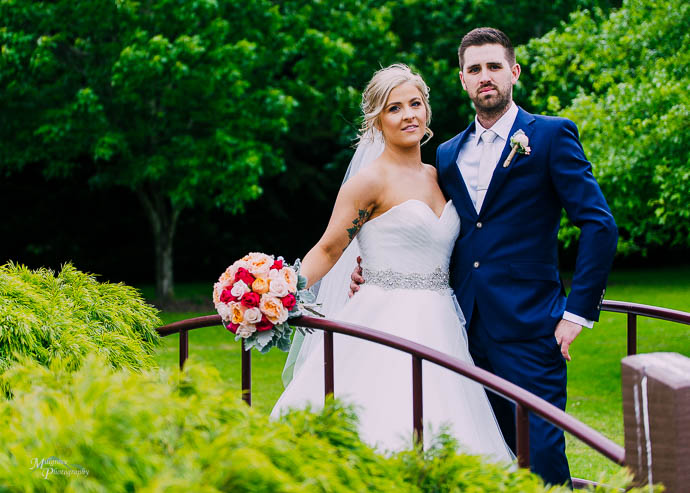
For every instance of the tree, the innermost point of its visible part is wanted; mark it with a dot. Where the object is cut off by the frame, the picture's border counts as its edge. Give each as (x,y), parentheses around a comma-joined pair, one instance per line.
(623,79)
(184,103)
(431,30)
(196,104)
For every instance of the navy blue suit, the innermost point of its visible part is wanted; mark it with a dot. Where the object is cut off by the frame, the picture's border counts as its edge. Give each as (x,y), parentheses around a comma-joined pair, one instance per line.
(504,269)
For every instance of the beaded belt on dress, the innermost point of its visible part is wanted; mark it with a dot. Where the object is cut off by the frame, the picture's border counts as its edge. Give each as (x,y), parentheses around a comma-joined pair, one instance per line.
(437,280)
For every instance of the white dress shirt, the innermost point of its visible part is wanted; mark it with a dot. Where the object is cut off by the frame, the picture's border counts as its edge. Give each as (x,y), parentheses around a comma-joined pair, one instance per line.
(476,176)
(471,152)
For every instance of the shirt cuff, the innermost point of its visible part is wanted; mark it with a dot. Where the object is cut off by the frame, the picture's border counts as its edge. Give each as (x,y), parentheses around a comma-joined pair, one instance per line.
(571,317)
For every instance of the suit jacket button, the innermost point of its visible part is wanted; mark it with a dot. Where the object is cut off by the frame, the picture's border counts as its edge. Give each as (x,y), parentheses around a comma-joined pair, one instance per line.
(479,225)
(476,265)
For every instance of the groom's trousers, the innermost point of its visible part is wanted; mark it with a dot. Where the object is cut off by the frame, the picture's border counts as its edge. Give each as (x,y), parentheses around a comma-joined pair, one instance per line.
(537,366)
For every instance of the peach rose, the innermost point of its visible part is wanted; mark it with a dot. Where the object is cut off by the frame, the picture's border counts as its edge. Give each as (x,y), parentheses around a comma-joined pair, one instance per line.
(237,312)
(245,330)
(217,289)
(228,277)
(273,308)
(260,285)
(224,311)
(286,274)
(259,264)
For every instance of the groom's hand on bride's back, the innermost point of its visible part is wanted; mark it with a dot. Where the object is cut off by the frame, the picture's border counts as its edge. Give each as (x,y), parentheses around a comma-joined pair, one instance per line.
(356,278)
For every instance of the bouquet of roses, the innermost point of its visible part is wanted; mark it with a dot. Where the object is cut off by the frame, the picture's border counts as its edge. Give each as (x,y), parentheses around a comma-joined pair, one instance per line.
(256,296)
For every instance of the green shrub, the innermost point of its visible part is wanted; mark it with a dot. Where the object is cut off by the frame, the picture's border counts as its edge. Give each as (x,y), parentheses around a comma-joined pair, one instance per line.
(46,317)
(157,430)
(623,78)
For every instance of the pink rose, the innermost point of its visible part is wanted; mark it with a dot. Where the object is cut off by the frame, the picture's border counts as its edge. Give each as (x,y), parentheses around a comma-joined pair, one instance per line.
(244,276)
(232,327)
(226,296)
(264,324)
(289,301)
(278,264)
(250,300)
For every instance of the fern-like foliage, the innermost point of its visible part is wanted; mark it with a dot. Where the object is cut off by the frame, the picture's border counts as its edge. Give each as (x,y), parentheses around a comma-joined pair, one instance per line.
(103,429)
(48,316)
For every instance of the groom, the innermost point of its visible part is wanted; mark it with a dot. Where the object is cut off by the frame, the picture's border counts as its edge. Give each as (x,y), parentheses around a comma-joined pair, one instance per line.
(504,268)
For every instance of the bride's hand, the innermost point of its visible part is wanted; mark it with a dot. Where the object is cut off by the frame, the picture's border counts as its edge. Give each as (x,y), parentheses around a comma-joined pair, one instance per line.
(356,278)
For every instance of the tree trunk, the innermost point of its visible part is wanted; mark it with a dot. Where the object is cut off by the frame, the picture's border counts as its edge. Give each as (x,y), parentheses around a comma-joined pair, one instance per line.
(163,218)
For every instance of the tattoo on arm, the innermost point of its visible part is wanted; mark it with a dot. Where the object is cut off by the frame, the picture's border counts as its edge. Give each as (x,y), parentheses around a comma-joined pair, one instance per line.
(357,224)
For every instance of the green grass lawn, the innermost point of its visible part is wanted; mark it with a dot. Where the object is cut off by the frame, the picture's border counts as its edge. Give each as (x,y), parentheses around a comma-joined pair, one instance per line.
(594,394)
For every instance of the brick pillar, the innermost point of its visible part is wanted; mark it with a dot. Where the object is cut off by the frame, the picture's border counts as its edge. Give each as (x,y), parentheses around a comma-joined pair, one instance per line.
(656,416)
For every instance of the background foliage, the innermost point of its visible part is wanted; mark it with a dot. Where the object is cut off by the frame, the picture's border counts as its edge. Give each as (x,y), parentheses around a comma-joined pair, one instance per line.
(191,109)
(624,78)
(47,317)
(162,431)
(184,104)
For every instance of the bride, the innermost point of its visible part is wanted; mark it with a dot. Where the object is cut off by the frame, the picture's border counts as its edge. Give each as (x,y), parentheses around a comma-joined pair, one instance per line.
(405,229)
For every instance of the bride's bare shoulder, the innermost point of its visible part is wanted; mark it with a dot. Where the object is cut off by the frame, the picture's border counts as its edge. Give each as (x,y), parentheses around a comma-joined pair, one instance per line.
(431,169)
(370,179)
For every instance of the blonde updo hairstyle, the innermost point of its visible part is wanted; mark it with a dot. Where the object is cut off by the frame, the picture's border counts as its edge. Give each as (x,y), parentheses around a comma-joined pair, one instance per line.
(378,90)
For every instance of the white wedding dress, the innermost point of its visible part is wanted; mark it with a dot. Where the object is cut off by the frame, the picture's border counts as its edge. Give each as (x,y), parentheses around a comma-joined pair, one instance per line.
(405,257)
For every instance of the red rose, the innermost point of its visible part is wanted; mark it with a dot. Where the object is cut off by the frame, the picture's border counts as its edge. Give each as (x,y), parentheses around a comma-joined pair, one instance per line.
(278,264)
(232,327)
(264,324)
(289,301)
(244,275)
(226,296)
(250,300)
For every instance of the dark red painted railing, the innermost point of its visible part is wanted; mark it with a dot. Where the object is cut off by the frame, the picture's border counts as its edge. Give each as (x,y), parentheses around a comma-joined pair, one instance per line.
(525,401)
(634,310)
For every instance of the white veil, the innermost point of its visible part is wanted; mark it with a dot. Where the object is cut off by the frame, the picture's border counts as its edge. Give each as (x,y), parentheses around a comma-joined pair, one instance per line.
(334,287)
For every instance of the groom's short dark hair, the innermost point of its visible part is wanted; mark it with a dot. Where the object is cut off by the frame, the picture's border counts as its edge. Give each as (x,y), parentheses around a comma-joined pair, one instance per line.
(486,36)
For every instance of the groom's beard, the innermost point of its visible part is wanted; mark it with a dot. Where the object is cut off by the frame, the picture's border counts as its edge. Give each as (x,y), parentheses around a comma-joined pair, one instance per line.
(494,106)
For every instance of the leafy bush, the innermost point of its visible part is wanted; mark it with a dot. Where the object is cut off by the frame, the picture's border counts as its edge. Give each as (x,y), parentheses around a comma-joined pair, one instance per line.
(49,317)
(623,79)
(101,429)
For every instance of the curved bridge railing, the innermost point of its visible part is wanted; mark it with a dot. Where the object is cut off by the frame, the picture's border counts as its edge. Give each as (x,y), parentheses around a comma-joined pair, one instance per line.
(633,310)
(525,402)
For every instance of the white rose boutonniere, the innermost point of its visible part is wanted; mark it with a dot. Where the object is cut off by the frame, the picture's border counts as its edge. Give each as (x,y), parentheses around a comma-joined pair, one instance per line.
(519,143)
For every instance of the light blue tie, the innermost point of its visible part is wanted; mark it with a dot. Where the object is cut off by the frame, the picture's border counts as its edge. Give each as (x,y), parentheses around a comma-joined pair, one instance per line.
(486,167)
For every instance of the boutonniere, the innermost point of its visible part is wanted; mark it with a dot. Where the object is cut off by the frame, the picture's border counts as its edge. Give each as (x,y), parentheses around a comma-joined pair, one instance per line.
(519,143)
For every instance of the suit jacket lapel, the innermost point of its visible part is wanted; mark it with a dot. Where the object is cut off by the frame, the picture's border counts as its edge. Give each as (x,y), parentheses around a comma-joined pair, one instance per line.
(522,121)
(453,178)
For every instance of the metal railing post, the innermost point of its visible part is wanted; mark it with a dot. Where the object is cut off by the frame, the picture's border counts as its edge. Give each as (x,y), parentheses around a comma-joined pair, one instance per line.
(632,334)
(246,375)
(184,347)
(329,383)
(417,401)
(522,424)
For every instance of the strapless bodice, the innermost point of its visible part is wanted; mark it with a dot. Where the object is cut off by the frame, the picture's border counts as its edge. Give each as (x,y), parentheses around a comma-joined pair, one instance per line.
(409,238)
